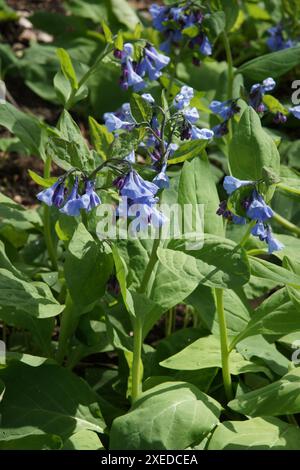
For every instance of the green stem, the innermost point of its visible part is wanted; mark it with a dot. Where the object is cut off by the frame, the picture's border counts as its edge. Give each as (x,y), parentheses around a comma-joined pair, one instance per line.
(224,344)
(137,360)
(136,371)
(47,223)
(229,64)
(150,265)
(66,328)
(288,189)
(246,235)
(257,252)
(286,224)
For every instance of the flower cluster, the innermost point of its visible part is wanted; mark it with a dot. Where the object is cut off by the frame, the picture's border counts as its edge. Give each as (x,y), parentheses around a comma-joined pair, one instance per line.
(150,64)
(138,198)
(184,118)
(174,22)
(190,116)
(276,41)
(72,203)
(256,210)
(257,92)
(226,110)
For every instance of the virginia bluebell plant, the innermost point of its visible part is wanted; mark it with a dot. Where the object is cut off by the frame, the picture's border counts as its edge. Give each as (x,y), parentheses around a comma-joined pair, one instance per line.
(182,25)
(276,40)
(255,208)
(226,110)
(149,64)
(73,203)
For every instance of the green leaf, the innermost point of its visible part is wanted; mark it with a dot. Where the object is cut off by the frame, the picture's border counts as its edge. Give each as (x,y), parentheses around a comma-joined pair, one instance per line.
(107,32)
(197,186)
(216,22)
(16,215)
(83,440)
(277,315)
(141,110)
(255,434)
(191,413)
(31,132)
(49,398)
(217,264)
(273,65)
(87,268)
(119,41)
(28,438)
(237,314)
(34,298)
(191,31)
(125,13)
(45,182)
(67,67)
(187,151)
(279,398)
(205,353)
(265,270)
(231,12)
(252,148)
(274,105)
(101,138)
(70,149)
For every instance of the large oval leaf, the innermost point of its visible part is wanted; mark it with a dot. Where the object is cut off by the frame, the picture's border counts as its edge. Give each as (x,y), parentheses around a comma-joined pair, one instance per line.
(252,148)
(256,433)
(172,415)
(273,65)
(279,398)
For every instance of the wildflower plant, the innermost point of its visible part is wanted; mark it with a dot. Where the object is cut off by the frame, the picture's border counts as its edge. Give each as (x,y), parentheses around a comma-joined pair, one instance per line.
(192,136)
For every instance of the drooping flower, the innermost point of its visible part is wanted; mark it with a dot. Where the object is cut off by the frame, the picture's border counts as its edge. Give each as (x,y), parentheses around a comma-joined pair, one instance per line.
(150,64)
(172,21)
(224,109)
(273,243)
(130,157)
(257,92)
(90,199)
(258,209)
(53,196)
(220,129)
(74,203)
(162,180)
(231,184)
(276,41)
(204,134)
(121,119)
(183,98)
(259,230)
(148,97)
(191,115)
(295,111)
(133,79)
(134,186)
